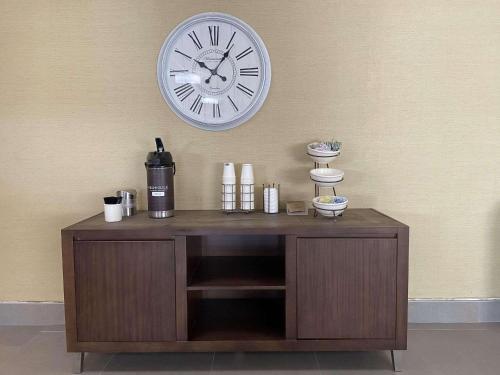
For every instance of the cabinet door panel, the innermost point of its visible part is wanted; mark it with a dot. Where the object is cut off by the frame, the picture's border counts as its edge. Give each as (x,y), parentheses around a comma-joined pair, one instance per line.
(346,288)
(125,290)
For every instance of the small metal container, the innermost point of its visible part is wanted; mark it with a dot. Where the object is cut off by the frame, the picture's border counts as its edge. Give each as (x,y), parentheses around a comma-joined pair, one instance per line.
(129,196)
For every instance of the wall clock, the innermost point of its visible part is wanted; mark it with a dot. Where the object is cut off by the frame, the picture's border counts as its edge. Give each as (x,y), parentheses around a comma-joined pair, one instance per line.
(214,71)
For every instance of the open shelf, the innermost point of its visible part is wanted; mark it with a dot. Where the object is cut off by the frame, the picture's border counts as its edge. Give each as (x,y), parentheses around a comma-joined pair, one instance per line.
(238,319)
(239,272)
(235,287)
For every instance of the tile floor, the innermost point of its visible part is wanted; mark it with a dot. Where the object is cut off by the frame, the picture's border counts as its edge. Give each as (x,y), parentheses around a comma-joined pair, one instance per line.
(433,349)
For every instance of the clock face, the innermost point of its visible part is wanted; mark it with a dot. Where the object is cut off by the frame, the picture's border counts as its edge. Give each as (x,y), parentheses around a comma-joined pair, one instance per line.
(214,71)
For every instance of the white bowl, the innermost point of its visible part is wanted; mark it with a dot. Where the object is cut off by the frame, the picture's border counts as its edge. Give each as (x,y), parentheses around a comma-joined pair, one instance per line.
(321,156)
(330,209)
(323,159)
(327,174)
(326,206)
(326,177)
(322,153)
(316,152)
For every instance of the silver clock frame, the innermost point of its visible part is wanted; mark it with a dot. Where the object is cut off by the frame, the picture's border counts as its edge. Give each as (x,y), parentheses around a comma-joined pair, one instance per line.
(261,95)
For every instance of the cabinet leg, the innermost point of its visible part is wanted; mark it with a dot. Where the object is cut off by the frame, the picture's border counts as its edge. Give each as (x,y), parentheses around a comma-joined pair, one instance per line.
(396,360)
(78,362)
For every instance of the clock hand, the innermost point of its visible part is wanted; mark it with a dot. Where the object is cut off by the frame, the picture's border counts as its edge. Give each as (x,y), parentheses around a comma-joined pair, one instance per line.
(213,72)
(224,56)
(203,65)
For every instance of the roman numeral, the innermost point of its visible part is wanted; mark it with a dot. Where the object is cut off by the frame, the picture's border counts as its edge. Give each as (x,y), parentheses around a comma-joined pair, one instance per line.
(183,54)
(232,103)
(244,89)
(249,72)
(197,105)
(183,91)
(214,35)
(172,72)
(230,40)
(244,53)
(216,110)
(195,40)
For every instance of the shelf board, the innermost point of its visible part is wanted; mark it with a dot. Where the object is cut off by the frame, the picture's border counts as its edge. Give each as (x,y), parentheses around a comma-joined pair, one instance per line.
(239,319)
(239,273)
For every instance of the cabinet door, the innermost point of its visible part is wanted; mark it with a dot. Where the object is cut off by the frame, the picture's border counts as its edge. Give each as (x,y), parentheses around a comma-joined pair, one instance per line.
(346,288)
(125,290)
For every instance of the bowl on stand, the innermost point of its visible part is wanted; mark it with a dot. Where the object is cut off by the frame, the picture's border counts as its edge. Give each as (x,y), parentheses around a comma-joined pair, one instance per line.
(321,156)
(326,177)
(330,205)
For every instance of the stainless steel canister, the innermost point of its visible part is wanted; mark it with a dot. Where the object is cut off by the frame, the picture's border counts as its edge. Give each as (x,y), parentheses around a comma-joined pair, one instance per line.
(128,201)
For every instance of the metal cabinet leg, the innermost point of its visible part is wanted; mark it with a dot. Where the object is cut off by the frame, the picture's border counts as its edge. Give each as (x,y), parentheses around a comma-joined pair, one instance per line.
(396,360)
(78,362)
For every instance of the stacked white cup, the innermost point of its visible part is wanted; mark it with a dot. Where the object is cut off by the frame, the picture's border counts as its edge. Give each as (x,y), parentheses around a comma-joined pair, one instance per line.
(247,193)
(229,187)
(271,200)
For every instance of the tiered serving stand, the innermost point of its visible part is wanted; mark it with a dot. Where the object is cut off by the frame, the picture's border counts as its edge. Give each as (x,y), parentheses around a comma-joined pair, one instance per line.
(322,162)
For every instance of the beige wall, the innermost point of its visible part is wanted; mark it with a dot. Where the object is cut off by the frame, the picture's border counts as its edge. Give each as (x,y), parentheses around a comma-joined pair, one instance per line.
(412,88)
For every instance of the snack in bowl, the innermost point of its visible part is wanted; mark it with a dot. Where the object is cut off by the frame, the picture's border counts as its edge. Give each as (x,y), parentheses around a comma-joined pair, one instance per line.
(324,152)
(326,146)
(332,199)
(330,205)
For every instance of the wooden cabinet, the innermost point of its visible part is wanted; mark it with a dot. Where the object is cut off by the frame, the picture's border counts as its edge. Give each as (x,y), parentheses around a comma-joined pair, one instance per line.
(124,290)
(346,288)
(205,281)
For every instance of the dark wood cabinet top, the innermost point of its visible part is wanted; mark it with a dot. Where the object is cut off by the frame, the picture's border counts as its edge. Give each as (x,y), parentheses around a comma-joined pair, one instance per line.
(355,221)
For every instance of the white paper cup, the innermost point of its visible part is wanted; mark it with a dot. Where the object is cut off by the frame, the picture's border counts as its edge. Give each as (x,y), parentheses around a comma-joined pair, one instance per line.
(229,180)
(229,197)
(112,212)
(247,193)
(247,197)
(247,174)
(229,175)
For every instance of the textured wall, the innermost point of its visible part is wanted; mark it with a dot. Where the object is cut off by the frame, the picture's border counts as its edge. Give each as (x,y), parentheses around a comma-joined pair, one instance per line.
(412,88)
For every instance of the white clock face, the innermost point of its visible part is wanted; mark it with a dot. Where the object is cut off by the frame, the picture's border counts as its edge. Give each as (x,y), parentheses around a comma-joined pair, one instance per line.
(214,71)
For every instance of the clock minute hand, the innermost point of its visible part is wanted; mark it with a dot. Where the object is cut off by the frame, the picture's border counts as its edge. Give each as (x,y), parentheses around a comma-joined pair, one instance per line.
(224,56)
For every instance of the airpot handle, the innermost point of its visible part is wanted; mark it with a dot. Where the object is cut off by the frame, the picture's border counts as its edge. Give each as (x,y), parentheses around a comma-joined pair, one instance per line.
(159,145)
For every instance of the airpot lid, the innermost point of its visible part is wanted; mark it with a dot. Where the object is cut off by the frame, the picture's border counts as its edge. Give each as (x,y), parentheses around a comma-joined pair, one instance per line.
(160,157)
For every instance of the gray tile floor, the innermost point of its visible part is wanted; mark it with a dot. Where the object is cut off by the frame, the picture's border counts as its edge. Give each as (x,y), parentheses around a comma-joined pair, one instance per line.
(433,349)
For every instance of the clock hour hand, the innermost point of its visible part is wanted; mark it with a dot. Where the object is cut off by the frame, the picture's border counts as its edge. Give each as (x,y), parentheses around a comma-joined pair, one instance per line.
(213,72)
(202,65)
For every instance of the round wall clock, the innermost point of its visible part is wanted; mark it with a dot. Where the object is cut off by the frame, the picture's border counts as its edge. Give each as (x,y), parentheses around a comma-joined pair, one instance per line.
(214,71)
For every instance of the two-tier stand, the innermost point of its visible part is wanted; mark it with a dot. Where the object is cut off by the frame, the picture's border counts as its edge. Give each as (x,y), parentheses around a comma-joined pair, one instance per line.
(317,187)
